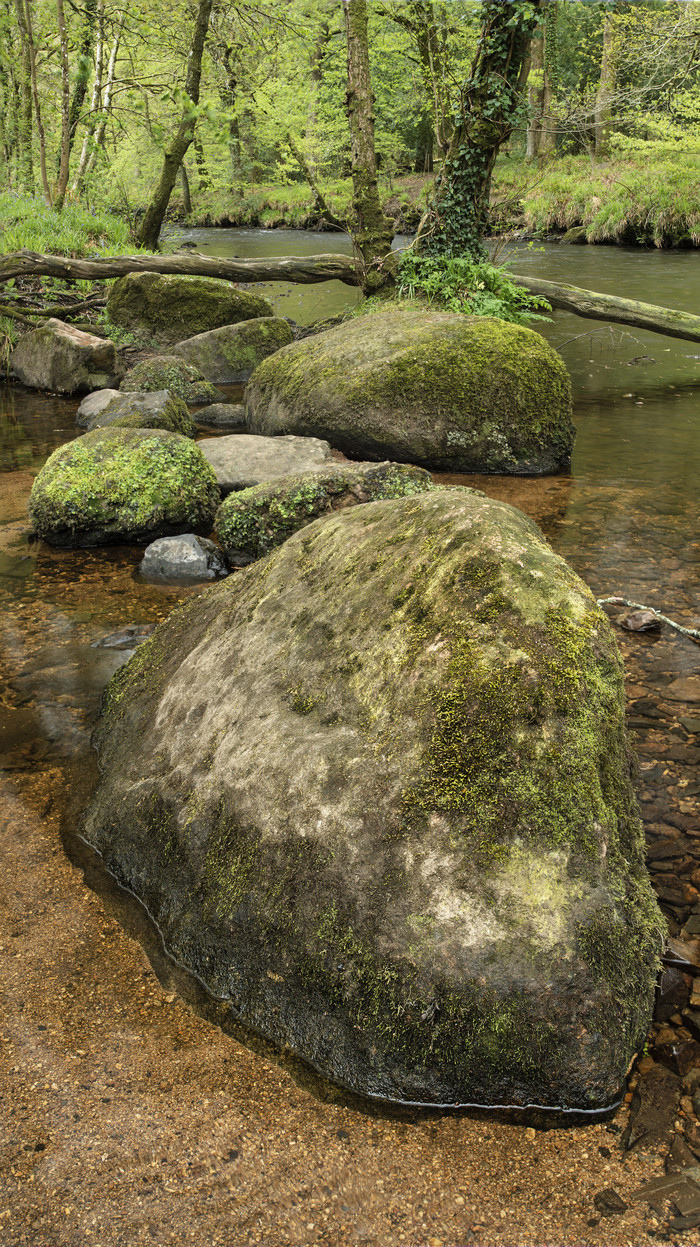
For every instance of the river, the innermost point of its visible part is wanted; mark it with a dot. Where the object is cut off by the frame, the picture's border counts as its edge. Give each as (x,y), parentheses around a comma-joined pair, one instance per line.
(626,517)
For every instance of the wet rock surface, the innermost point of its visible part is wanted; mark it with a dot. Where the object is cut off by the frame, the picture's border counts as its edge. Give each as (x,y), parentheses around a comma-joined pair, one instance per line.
(243,460)
(222,416)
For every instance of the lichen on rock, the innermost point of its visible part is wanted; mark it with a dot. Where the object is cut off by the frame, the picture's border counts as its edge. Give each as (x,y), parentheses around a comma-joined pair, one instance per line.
(253,521)
(123,485)
(376,790)
(450,392)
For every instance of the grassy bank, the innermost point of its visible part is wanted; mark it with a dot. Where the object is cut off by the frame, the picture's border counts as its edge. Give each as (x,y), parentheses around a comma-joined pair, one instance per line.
(646,200)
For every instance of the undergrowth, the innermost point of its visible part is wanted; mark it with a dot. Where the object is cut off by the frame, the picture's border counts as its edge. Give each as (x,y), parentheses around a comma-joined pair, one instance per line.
(463,284)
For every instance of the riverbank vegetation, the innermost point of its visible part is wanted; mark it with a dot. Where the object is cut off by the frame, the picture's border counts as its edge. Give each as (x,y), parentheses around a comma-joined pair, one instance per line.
(605,135)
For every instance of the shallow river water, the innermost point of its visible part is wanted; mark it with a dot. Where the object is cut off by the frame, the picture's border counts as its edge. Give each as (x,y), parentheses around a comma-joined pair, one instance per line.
(626,517)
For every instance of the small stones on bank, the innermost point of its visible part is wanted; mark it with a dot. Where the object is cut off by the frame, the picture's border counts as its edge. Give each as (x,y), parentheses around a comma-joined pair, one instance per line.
(182,558)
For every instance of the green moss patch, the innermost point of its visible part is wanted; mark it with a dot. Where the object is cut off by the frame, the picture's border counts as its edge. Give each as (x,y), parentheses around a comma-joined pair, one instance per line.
(168,372)
(170,308)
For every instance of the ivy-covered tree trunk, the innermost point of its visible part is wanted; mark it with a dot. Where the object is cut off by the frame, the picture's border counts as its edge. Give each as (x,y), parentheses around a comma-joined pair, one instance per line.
(24,112)
(372,231)
(491,99)
(175,153)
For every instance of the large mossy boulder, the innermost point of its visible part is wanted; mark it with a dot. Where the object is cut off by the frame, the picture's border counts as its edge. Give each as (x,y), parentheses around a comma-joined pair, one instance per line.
(169,372)
(375,791)
(63,359)
(123,485)
(232,353)
(253,521)
(450,392)
(167,309)
(158,409)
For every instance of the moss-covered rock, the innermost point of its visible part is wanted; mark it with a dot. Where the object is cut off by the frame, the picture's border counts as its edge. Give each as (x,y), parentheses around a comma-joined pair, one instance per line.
(169,308)
(123,485)
(169,372)
(158,409)
(63,359)
(233,352)
(375,790)
(252,522)
(454,393)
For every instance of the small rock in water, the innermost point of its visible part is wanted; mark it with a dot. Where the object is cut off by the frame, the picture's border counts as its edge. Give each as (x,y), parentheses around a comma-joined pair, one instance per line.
(639,621)
(183,558)
(126,638)
(609,1202)
(222,416)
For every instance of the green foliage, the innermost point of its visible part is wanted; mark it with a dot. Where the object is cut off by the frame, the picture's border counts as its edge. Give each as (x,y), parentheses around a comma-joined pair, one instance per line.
(26,222)
(465,284)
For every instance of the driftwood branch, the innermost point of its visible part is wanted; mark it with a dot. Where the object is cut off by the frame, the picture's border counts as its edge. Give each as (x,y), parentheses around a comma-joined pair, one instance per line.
(306,270)
(610,307)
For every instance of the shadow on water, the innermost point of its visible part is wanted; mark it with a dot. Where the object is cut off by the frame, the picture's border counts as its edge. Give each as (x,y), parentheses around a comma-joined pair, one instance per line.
(625,517)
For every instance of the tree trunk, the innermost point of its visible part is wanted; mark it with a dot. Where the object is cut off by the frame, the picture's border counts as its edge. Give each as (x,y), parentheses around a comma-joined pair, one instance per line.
(322,208)
(83,72)
(457,216)
(64,166)
(107,101)
(606,86)
(37,106)
(25,118)
(94,100)
(204,178)
(535,97)
(299,269)
(174,155)
(186,196)
(372,232)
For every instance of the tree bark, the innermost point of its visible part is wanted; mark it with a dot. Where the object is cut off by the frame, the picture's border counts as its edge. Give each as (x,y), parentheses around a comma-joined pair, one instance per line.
(186,194)
(174,155)
(322,208)
(37,106)
(372,232)
(535,97)
(64,166)
(101,130)
(606,86)
(83,73)
(457,215)
(304,270)
(593,306)
(94,100)
(25,118)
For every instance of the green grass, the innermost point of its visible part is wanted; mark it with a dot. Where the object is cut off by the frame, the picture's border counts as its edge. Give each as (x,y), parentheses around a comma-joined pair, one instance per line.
(26,222)
(629,200)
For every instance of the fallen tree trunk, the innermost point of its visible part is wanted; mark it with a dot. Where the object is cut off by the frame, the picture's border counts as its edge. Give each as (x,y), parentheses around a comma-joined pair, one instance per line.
(305,270)
(610,307)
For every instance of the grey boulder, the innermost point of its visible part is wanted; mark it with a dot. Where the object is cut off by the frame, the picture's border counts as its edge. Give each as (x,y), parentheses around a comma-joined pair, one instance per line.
(222,416)
(182,558)
(240,461)
(158,409)
(233,352)
(65,360)
(375,790)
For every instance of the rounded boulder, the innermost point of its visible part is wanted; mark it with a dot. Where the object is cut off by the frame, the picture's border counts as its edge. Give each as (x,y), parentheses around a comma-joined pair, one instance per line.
(375,790)
(123,485)
(450,392)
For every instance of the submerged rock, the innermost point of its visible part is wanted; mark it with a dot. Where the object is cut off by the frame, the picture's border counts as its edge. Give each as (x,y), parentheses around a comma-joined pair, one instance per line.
(233,352)
(156,410)
(252,522)
(63,359)
(375,790)
(182,558)
(122,485)
(222,416)
(240,460)
(453,393)
(169,308)
(168,372)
